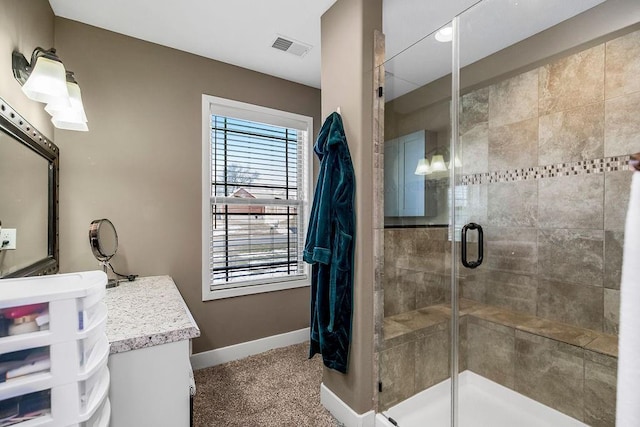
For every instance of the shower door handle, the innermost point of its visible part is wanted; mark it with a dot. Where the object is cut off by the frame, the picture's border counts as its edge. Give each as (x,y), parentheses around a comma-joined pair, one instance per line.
(476,263)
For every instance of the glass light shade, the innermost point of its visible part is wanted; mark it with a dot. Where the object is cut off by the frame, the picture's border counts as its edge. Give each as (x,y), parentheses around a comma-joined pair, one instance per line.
(72,124)
(70,120)
(75,107)
(457,163)
(437,163)
(423,167)
(47,82)
(444,35)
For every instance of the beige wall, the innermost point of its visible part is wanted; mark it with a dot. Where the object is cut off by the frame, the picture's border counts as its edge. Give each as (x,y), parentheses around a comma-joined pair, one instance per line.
(140,166)
(347,81)
(24,25)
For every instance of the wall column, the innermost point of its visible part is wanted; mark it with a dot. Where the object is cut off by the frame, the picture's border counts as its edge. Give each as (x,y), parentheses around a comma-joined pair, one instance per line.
(348,29)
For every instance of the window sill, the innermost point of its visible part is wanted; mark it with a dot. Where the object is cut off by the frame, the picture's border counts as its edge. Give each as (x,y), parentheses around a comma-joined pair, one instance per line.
(210,295)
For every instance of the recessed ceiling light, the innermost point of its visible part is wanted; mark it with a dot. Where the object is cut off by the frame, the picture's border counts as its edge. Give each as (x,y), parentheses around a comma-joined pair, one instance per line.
(444,34)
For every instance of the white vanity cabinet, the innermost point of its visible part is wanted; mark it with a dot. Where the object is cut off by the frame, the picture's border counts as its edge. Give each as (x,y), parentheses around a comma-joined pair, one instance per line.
(54,354)
(149,328)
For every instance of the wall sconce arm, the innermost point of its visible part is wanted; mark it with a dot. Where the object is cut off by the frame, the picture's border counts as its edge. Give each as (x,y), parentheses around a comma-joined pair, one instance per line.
(21,68)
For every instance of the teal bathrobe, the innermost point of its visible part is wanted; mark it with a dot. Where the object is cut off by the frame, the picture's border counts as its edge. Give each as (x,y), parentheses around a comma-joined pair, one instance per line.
(329,247)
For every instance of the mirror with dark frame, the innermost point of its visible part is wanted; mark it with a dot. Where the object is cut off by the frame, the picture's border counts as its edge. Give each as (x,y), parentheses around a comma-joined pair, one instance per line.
(28,198)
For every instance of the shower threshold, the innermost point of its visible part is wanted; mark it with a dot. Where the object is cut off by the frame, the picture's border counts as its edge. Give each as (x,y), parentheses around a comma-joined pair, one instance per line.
(482,403)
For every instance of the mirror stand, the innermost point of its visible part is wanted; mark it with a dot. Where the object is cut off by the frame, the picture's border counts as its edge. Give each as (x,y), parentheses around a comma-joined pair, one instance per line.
(111,283)
(103,240)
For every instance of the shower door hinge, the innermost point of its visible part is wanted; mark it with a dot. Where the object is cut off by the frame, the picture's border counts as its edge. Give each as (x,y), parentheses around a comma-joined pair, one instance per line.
(380,386)
(380,92)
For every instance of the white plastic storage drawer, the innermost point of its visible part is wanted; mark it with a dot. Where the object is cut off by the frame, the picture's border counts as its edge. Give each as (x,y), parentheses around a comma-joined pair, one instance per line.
(24,319)
(24,326)
(73,318)
(52,323)
(37,311)
(88,304)
(62,319)
(89,285)
(92,348)
(90,316)
(101,417)
(27,410)
(92,389)
(24,371)
(76,403)
(95,393)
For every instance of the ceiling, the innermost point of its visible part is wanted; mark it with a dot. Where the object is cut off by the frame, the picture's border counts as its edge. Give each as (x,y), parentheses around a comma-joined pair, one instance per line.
(242,32)
(485,28)
(238,32)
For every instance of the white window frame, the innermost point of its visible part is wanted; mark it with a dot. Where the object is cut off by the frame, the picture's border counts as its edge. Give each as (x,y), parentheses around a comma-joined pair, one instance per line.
(225,107)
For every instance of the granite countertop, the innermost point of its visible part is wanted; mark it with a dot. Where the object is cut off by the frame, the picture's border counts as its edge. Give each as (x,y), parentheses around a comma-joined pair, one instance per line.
(147,312)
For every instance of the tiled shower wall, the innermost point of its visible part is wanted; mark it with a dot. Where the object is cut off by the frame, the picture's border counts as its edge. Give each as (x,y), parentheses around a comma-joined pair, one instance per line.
(416,273)
(544,173)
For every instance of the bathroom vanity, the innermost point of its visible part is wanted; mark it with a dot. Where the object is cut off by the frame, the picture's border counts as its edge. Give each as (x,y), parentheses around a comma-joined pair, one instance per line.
(149,328)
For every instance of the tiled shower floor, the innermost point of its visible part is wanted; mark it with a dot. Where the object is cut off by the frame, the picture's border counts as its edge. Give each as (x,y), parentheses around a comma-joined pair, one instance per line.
(482,403)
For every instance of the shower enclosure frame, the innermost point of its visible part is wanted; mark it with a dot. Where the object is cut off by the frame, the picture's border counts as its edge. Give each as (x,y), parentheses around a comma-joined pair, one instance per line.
(456,178)
(453,175)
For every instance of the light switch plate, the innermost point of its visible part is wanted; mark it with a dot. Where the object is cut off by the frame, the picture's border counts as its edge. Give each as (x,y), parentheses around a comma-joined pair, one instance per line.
(8,238)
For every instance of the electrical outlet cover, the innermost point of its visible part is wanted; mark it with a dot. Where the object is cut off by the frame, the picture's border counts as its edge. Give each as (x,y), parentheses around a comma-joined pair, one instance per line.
(8,235)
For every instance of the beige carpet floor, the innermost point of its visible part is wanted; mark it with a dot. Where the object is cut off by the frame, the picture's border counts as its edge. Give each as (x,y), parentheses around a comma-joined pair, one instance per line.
(278,388)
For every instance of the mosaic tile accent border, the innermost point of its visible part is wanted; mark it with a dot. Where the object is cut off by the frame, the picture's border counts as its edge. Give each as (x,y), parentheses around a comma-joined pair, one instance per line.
(594,166)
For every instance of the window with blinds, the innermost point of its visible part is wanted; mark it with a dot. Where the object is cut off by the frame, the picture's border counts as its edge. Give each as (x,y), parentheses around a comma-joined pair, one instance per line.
(258,181)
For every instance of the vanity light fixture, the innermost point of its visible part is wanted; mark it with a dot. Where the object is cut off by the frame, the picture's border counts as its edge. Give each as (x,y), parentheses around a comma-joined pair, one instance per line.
(45,80)
(423,167)
(438,164)
(69,116)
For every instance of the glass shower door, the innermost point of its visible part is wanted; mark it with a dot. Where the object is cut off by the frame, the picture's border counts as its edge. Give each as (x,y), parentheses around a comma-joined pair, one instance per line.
(415,346)
(539,201)
(505,186)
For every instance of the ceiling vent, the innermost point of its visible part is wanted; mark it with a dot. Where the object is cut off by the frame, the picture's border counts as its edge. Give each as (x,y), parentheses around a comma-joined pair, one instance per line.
(289,45)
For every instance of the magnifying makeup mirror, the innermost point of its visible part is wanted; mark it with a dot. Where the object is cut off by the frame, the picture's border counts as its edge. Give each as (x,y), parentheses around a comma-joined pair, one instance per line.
(103,240)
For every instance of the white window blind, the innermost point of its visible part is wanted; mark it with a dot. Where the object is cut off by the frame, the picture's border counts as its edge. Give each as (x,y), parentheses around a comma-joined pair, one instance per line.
(258,180)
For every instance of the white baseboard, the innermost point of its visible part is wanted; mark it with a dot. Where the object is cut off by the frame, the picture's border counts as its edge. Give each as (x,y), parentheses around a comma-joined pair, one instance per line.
(343,412)
(249,348)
